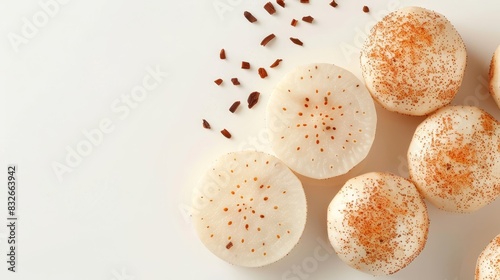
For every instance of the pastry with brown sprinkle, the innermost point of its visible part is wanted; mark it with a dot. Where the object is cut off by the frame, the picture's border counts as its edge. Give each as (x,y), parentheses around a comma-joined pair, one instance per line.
(413,61)
(378,223)
(454,158)
(249,209)
(321,120)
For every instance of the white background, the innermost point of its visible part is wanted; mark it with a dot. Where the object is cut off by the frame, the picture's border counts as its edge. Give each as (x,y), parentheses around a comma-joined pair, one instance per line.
(122,211)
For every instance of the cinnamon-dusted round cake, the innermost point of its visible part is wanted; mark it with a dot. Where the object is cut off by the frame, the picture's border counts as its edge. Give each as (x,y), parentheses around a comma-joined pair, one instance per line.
(378,223)
(413,61)
(454,158)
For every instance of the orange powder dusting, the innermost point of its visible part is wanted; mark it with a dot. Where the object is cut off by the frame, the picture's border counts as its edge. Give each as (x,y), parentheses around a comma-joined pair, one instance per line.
(488,123)
(412,39)
(375,224)
(462,155)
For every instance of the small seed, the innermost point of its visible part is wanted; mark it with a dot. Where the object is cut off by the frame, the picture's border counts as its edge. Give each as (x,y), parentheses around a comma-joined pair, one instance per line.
(304,1)
(229,245)
(294,22)
(296,41)
(249,17)
(281,3)
(268,39)
(245,65)
(269,8)
(253,98)
(218,82)
(308,19)
(206,125)
(222,54)
(226,133)
(333,4)
(233,107)
(276,63)
(235,81)
(262,73)
(366,9)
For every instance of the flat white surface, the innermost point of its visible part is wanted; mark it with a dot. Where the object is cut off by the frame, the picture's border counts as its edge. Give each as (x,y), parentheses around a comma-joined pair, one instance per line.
(122,211)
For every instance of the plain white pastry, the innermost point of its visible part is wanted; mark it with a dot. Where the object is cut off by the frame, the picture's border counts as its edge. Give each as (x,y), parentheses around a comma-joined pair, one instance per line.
(321,120)
(250,209)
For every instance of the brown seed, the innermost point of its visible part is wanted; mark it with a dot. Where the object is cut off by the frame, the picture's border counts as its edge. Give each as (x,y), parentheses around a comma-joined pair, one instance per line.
(262,73)
(229,245)
(253,98)
(366,9)
(249,17)
(296,41)
(226,133)
(206,125)
(245,65)
(235,81)
(304,1)
(268,39)
(222,54)
(333,4)
(294,22)
(233,107)
(276,63)
(308,19)
(218,82)
(281,3)
(269,7)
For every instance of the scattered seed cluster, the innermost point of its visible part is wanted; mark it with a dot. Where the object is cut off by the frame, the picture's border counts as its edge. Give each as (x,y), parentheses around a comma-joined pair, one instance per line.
(270,8)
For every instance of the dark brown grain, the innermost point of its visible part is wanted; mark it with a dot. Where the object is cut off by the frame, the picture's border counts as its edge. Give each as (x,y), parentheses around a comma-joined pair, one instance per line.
(294,22)
(206,125)
(262,73)
(308,19)
(276,63)
(366,9)
(268,39)
(269,7)
(296,41)
(222,54)
(249,17)
(281,3)
(226,133)
(245,65)
(235,106)
(235,81)
(333,4)
(253,98)
(218,82)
